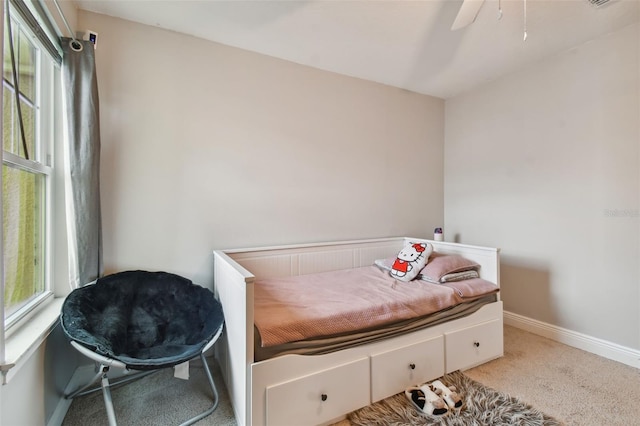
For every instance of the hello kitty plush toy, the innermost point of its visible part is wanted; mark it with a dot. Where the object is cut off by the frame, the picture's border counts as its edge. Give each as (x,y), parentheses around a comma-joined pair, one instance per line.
(410,261)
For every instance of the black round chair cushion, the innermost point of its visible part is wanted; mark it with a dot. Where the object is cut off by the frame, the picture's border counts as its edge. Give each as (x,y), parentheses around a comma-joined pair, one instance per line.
(147,320)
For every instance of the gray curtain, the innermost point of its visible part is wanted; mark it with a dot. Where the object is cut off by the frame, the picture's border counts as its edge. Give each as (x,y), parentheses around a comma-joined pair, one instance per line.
(83,162)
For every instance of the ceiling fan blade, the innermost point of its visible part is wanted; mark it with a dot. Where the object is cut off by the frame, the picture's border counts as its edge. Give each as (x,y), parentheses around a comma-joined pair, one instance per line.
(467,13)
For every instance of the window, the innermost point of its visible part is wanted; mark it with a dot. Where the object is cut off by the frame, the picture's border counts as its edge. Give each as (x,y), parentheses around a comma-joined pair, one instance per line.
(26,171)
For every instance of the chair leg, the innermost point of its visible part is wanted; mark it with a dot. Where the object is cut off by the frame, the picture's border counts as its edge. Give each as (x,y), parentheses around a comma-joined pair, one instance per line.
(84,390)
(215,395)
(108,402)
(81,390)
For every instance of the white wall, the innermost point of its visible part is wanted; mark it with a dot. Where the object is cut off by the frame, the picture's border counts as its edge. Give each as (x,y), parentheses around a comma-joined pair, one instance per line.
(545,164)
(34,395)
(206,146)
(29,384)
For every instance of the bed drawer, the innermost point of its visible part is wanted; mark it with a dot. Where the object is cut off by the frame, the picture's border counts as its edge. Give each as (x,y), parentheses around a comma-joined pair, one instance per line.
(474,345)
(393,371)
(319,397)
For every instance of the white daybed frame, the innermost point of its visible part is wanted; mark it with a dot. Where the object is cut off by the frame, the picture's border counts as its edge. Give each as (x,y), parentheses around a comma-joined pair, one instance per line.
(319,389)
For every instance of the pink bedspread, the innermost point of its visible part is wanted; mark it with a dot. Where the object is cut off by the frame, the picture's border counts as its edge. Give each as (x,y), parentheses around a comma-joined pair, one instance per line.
(295,308)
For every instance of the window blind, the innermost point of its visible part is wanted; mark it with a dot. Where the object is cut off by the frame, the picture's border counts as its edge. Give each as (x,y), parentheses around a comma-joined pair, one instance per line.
(53,48)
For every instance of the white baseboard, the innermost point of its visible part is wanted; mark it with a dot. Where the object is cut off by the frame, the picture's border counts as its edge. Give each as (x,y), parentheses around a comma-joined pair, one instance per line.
(81,376)
(61,410)
(594,345)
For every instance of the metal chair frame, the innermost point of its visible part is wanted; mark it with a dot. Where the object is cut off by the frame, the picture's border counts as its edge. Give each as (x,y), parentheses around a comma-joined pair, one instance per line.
(104,365)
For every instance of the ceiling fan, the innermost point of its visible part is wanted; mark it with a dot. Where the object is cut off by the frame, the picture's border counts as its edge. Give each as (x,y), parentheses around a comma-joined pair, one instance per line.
(468,13)
(470,8)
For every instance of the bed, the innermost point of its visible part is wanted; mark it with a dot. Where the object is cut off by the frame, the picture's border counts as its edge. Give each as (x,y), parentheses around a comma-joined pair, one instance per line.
(294,385)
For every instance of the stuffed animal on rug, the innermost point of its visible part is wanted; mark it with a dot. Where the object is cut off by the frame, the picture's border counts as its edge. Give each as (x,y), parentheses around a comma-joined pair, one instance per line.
(426,401)
(448,393)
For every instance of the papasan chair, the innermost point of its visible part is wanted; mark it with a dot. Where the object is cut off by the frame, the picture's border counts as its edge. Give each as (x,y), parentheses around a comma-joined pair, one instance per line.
(140,320)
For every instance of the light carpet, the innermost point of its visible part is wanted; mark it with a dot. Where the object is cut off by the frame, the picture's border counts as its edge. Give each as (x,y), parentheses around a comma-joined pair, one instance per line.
(575,387)
(158,399)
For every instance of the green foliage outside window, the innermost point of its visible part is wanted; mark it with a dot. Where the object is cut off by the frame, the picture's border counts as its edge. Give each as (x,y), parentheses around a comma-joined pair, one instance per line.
(22,239)
(23,189)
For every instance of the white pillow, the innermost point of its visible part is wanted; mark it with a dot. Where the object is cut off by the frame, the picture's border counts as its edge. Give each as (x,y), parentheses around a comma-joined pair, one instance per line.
(410,260)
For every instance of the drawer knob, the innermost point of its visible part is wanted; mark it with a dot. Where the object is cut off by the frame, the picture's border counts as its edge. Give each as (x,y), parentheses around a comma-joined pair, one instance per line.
(323,397)
(476,344)
(412,366)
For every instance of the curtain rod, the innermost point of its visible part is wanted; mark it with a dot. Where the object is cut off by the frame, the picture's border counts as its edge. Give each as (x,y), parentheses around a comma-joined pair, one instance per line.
(74,43)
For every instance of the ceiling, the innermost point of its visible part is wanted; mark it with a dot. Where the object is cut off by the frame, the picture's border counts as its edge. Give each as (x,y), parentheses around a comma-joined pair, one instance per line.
(407,44)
